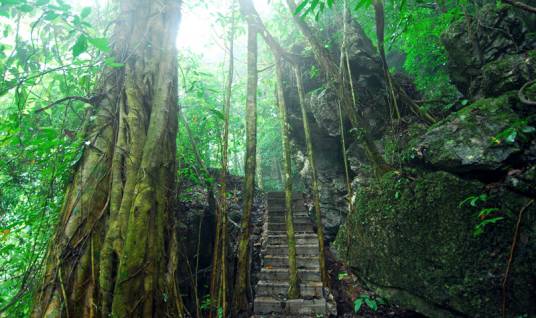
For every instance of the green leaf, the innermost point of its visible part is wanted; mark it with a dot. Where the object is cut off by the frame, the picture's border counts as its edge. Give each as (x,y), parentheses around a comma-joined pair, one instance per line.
(528,129)
(357,304)
(51,15)
(300,7)
(511,138)
(342,275)
(100,43)
(486,212)
(26,8)
(80,46)
(363,3)
(312,7)
(9,2)
(110,61)
(85,12)
(479,229)
(371,303)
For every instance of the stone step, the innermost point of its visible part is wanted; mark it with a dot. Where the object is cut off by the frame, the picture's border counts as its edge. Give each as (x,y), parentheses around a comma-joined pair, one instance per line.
(304,238)
(296,217)
(304,275)
(301,307)
(282,227)
(278,261)
(271,287)
(281,209)
(282,213)
(281,203)
(295,221)
(301,250)
(271,195)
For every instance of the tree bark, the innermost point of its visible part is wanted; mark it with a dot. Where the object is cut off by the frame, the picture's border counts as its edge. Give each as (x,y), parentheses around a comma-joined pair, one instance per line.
(293,291)
(240,297)
(224,164)
(316,193)
(380,35)
(114,252)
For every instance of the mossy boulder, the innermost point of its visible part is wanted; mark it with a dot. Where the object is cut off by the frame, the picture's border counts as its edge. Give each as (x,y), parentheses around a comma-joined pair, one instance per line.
(506,74)
(493,33)
(412,241)
(480,137)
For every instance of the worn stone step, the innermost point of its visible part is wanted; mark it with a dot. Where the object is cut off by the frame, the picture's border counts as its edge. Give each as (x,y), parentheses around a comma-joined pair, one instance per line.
(304,275)
(280,209)
(268,305)
(300,307)
(282,213)
(277,195)
(296,217)
(303,238)
(282,202)
(301,250)
(295,221)
(278,261)
(282,227)
(304,307)
(271,287)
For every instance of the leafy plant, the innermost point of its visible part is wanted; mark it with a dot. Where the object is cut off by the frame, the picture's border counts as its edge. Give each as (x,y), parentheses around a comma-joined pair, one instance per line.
(372,303)
(342,275)
(485,216)
(517,131)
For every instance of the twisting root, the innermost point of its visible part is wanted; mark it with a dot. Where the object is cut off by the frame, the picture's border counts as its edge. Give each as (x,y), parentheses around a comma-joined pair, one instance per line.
(524,99)
(510,258)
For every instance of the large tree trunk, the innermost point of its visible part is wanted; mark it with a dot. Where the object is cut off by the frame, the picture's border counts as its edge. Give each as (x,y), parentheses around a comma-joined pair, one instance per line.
(240,297)
(314,176)
(114,250)
(293,288)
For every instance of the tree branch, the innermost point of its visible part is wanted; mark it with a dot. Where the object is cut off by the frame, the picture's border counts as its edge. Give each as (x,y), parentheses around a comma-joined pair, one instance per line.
(520,5)
(91,100)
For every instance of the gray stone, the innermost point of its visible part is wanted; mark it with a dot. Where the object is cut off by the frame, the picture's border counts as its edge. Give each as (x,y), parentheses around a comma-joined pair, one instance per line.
(478,137)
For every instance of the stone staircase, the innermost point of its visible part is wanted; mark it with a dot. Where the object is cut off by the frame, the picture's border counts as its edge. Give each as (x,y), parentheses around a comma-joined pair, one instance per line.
(272,287)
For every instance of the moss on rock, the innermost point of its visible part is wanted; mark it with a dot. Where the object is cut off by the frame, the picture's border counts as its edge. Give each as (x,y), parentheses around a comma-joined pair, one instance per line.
(473,138)
(410,236)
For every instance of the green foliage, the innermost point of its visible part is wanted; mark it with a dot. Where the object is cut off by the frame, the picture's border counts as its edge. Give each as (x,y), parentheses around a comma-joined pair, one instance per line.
(518,131)
(342,275)
(371,303)
(485,216)
(39,64)
(413,29)
(315,7)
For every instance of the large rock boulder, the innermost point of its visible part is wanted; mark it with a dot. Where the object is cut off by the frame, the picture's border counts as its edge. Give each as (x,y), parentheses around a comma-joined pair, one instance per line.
(474,42)
(509,73)
(413,240)
(484,136)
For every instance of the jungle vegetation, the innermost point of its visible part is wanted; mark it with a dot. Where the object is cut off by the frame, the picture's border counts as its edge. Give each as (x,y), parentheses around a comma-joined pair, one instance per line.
(111,112)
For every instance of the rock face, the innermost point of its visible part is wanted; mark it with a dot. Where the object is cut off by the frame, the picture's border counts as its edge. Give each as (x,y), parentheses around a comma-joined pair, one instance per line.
(435,235)
(413,241)
(476,138)
(197,222)
(496,36)
(322,107)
